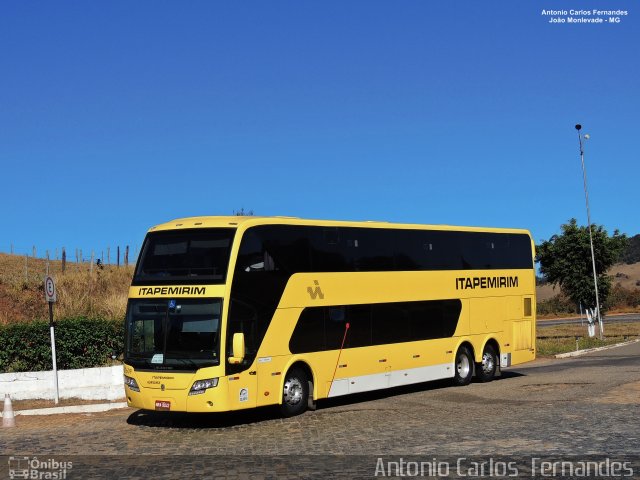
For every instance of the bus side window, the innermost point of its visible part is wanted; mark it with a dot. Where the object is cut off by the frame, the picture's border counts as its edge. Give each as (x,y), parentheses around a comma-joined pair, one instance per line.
(253,256)
(359,334)
(390,324)
(334,323)
(259,263)
(331,235)
(308,336)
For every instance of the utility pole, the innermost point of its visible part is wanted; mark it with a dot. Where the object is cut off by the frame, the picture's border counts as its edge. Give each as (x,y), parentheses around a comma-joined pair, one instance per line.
(586,198)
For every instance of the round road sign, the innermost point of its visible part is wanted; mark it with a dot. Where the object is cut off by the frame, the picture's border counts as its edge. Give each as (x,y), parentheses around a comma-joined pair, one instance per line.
(49,289)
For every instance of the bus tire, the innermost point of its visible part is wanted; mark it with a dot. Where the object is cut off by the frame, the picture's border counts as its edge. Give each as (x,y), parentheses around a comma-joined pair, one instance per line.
(486,369)
(295,393)
(463,367)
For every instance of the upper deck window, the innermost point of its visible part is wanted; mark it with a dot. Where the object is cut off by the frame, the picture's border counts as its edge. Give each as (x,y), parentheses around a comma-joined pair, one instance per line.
(185,256)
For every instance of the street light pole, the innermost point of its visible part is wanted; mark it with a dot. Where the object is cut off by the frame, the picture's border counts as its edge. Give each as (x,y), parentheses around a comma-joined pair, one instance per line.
(586,197)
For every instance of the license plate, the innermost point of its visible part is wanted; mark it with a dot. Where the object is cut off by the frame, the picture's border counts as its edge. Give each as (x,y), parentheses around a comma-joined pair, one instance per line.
(163,405)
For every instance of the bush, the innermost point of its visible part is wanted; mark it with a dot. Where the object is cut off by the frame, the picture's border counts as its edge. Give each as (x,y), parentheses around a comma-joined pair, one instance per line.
(622,298)
(556,305)
(80,343)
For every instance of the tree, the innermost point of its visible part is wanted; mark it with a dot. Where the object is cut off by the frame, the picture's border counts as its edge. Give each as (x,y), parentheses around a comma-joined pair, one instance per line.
(631,254)
(565,260)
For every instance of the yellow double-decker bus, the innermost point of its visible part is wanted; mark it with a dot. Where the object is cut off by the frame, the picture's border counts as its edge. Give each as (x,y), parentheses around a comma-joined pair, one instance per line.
(229,313)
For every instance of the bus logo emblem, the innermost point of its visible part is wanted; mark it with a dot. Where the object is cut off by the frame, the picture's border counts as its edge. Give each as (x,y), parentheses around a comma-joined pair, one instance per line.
(315,292)
(172,304)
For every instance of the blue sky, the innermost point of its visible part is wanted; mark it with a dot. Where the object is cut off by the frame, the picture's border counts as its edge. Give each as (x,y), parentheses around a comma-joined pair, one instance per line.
(120,115)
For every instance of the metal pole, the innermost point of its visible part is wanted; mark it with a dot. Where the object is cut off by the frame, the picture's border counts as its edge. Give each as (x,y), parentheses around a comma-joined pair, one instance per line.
(581,318)
(53,352)
(586,197)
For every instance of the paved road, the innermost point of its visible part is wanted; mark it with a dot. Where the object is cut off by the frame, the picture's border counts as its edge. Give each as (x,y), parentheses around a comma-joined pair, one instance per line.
(625,318)
(550,408)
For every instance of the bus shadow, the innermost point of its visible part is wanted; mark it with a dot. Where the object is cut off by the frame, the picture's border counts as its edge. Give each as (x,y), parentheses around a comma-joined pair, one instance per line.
(510,374)
(147,418)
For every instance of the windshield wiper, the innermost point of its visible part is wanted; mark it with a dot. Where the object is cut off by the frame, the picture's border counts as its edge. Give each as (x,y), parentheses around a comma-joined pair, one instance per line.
(186,361)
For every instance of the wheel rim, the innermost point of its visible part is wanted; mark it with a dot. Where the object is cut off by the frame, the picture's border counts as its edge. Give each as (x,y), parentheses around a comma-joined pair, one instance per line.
(463,366)
(292,391)
(488,363)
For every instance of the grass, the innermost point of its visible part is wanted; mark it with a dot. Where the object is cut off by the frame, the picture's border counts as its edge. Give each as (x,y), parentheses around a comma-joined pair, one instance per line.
(82,291)
(562,338)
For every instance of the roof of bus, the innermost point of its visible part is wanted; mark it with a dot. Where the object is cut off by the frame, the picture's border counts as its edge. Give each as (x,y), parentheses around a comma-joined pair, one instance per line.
(211,222)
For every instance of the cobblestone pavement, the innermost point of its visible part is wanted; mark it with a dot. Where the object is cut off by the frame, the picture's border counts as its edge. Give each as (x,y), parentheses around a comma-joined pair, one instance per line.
(582,406)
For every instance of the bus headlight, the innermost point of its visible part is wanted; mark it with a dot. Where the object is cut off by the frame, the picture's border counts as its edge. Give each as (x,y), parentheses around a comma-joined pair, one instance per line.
(131,383)
(200,386)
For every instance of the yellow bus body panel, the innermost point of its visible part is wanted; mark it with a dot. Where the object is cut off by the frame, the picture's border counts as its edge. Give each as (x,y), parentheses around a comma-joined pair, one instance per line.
(504,315)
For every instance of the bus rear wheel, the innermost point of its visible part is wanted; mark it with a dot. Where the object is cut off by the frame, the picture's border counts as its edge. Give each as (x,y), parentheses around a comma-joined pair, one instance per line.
(463,367)
(487,368)
(295,393)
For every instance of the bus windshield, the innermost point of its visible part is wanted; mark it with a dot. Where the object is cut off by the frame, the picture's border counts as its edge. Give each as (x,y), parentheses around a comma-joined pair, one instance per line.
(181,334)
(185,256)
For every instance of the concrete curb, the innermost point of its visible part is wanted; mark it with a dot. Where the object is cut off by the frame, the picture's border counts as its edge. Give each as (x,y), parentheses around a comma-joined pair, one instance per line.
(92,408)
(578,353)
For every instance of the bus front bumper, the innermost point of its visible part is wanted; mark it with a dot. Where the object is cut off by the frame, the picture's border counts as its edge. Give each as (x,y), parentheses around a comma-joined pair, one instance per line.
(215,399)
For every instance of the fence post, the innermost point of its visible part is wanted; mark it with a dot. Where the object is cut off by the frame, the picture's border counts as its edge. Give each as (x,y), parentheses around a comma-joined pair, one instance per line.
(64,259)
(118,257)
(34,251)
(126,256)
(108,255)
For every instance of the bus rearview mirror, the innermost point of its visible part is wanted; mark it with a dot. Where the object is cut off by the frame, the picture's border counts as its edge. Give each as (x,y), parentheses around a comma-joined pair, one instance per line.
(238,348)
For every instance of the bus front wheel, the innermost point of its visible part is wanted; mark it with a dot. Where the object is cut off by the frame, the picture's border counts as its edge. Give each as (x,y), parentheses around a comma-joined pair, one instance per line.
(295,393)
(463,367)
(487,368)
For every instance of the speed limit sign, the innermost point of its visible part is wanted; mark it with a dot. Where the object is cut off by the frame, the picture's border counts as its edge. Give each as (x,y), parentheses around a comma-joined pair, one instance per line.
(49,289)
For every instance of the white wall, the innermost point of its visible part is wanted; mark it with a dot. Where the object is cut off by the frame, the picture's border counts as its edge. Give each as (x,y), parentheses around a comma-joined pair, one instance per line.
(104,383)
